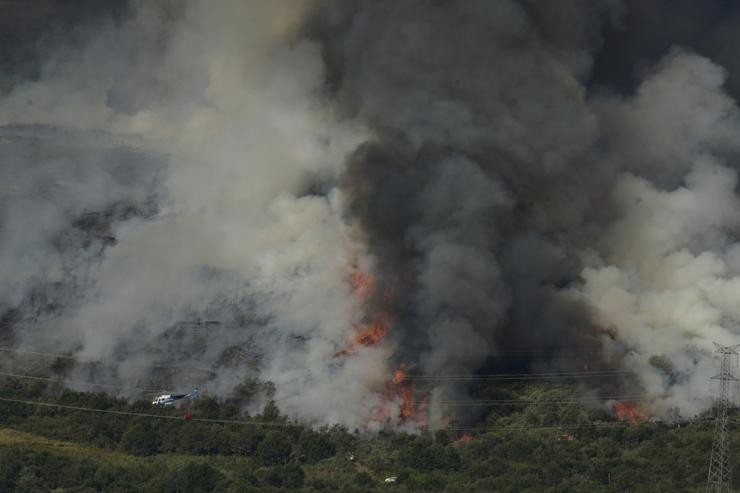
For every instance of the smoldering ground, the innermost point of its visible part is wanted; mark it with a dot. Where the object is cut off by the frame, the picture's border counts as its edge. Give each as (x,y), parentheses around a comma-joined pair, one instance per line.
(192,186)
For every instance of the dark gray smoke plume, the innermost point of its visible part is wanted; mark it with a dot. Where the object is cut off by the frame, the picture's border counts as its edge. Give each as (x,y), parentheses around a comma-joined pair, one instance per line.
(190,194)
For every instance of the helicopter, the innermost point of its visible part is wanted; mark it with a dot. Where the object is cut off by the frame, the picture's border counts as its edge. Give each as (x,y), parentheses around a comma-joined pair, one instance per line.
(170,399)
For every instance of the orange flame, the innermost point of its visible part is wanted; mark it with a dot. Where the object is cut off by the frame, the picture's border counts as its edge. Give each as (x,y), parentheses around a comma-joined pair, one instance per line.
(465,438)
(399,375)
(404,391)
(408,409)
(399,393)
(627,411)
(371,334)
(366,333)
(362,284)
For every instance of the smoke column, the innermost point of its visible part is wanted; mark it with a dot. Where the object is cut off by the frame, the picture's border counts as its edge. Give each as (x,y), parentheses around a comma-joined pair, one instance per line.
(332,195)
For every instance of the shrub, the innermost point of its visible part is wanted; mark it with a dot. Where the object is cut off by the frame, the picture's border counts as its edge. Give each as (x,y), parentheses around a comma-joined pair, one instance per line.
(274,449)
(139,440)
(313,447)
(364,479)
(289,476)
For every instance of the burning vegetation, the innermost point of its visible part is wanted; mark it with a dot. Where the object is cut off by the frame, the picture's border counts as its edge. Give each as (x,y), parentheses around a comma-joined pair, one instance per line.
(397,404)
(464,438)
(628,411)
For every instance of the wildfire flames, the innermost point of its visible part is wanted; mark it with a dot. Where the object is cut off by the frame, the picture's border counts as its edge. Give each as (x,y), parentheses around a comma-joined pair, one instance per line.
(627,411)
(397,404)
(371,334)
(398,396)
(398,401)
(405,391)
(399,375)
(465,438)
(362,284)
(367,333)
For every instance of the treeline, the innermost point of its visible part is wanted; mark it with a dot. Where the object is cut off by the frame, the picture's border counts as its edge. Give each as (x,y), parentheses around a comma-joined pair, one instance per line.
(516,448)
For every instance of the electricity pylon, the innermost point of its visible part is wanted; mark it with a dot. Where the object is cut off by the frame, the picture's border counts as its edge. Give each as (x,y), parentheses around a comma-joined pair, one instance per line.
(719,479)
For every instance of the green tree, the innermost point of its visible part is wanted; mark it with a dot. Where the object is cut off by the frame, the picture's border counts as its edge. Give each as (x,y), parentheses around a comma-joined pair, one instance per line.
(207,407)
(139,440)
(200,439)
(245,440)
(442,437)
(271,411)
(10,468)
(424,455)
(110,477)
(364,480)
(313,447)
(195,477)
(288,476)
(274,449)
(29,480)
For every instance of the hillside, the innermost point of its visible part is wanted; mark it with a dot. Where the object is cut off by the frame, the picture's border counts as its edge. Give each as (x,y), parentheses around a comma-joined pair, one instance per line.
(533,447)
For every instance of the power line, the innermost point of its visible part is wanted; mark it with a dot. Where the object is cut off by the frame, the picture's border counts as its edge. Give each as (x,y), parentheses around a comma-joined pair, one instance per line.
(77,382)
(134,365)
(288,424)
(523,376)
(445,402)
(556,373)
(606,424)
(522,352)
(470,402)
(560,351)
(146,415)
(610,424)
(495,376)
(430,377)
(525,402)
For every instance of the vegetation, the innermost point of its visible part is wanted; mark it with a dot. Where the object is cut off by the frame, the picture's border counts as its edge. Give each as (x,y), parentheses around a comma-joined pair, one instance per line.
(517,448)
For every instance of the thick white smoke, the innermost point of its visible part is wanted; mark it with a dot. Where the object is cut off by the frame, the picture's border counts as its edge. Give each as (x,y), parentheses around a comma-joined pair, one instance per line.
(230,103)
(665,273)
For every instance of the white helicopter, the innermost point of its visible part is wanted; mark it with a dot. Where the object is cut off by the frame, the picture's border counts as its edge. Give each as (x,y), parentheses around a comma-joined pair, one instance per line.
(169,399)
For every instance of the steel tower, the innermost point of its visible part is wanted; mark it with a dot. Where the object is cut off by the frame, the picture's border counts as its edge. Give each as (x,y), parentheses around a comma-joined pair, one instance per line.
(719,477)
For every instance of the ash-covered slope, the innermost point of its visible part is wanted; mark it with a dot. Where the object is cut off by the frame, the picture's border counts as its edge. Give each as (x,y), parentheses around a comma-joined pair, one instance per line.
(64,193)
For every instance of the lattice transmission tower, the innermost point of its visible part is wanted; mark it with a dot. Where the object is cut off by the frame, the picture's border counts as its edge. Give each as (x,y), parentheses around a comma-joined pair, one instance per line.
(719,478)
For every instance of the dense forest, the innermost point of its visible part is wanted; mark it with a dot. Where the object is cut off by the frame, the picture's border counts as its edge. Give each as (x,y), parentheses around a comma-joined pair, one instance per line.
(549,443)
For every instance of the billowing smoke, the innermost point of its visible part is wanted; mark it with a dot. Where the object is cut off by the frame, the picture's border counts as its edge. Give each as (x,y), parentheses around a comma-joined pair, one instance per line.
(213,241)
(318,193)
